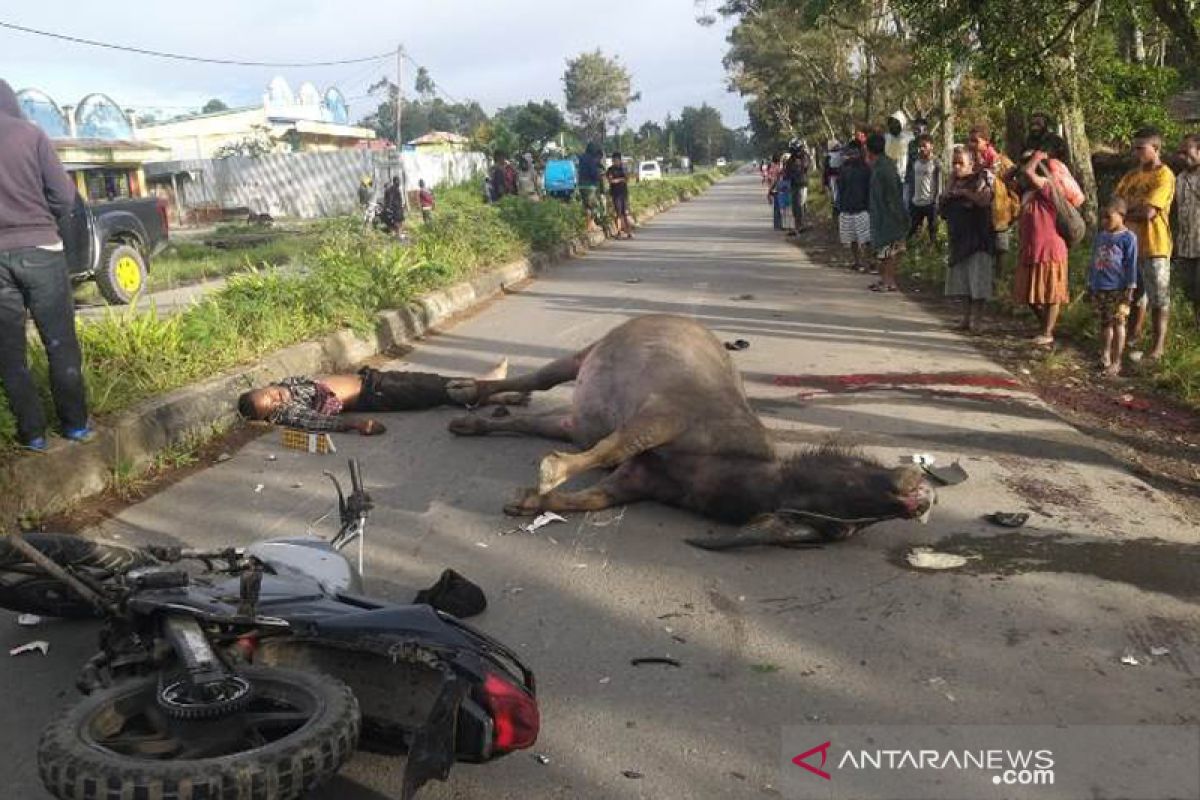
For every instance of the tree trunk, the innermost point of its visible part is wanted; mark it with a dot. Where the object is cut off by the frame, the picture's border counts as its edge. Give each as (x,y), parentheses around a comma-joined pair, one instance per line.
(1014,130)
(1081,152)
(946,111)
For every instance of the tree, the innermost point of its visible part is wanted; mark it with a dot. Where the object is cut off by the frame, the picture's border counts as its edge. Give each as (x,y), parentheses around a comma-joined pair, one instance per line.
(598,91)
(421,116)
(213,106)
(701,134)
(424,85)
(534,125)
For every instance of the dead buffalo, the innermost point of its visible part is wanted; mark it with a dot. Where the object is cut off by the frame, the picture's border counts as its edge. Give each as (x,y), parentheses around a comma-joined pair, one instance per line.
(659,400)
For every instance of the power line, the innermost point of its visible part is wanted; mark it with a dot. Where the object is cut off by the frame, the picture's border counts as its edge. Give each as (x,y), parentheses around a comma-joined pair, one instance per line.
(436,88)
(200,59)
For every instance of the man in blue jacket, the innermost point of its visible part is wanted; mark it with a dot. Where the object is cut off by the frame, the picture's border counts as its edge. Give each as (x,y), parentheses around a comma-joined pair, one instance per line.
(36,197)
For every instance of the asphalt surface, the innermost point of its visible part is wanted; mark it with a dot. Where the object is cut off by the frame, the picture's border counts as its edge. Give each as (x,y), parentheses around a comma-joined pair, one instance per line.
(1032,630)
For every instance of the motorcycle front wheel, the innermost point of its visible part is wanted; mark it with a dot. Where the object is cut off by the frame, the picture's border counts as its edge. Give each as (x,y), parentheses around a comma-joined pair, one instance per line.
(25,588)
(295,732)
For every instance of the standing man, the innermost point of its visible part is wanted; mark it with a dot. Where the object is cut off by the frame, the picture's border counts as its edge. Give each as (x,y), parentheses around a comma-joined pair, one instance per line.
(393,206)
(1187,215)
(889,222)
(923,187)
(798,165)
(618,189)
(36,198)
(1148,190)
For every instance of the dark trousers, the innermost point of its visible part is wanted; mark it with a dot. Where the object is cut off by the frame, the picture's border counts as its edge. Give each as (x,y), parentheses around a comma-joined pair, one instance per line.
(401,391)
(927,213)
(35,279)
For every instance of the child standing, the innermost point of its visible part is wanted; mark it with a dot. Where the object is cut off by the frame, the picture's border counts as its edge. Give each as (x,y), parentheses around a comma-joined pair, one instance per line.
(1112,280)
(781,197)
(425,199)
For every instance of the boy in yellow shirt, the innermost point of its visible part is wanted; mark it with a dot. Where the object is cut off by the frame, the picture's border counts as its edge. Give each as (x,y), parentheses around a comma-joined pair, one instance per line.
(1148,190)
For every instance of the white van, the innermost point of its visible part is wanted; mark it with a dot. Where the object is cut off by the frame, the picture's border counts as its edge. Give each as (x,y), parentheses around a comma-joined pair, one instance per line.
(649,171)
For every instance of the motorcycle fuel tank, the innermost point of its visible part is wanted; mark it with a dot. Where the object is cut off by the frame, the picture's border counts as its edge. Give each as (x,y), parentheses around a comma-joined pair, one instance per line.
(311,557)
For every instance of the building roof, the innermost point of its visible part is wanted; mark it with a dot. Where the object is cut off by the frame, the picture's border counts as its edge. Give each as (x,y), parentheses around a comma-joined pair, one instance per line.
(190,117)
(439,137)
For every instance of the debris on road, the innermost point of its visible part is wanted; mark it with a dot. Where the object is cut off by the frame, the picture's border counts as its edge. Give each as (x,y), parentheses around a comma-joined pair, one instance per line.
(272,457)
(742,297)
(633,280)
(38,646)
(667,660)
(541,758)
(632,774)
(1130,660)
(605,679)
(484,545)
(1008,519)
(28,620)
(540,521)
(947,476)
(737,344)
(765,669)
(920,459)
(928,558)
(223,457)
(258,489)
(1160,651)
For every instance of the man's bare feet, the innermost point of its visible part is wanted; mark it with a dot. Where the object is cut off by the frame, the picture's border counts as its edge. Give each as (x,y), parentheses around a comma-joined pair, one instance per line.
(1043,341)
(497,373)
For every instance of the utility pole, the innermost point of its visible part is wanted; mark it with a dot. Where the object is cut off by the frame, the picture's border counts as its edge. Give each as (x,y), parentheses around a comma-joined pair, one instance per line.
(399,94)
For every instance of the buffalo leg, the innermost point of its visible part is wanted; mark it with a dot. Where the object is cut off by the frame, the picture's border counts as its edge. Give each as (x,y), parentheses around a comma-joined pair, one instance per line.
(616,489)
(563,370)
(647,429)
(553,425)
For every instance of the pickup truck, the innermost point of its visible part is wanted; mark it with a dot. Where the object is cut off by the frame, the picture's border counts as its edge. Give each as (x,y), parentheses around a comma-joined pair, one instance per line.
(111,242)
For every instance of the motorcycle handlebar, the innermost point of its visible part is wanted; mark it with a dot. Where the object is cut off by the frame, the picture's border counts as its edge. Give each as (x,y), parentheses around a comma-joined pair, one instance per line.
(356,484)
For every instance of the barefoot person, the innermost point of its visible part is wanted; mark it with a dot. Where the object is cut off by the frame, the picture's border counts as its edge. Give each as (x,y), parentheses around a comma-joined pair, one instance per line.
(315,404)
(1041,278)
(889,220)
(966,206)
(1112,280)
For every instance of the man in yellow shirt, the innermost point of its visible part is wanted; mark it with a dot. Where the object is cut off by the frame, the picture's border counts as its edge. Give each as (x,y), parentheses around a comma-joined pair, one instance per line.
(1148,190)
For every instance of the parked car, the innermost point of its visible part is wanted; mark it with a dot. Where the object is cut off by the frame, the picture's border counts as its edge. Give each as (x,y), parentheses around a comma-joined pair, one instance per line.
(112,242)
(721,162)
(649,171)
(559,178)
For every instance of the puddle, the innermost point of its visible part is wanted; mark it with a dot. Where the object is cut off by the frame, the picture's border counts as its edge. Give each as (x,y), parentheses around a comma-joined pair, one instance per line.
(1154,565)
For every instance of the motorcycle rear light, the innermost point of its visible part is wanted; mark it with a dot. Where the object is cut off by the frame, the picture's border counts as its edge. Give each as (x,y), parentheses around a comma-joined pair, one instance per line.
(514,714)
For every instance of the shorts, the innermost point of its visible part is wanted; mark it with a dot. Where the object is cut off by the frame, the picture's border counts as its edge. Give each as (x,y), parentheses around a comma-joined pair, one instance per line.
(590,195)
(620,204)
(854,228)
(890,250)
(387,391)
(1112,306)
(1004,240)
(1154,282)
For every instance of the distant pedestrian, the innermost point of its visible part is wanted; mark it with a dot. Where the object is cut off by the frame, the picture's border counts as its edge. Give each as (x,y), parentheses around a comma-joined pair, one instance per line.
(366,192)
(920,128)
(798,165)
(966,206)
(924,187)
(771,171)
(1148,191)
(1112,281)
(897,145)
(426,201)
(1187,217)
(781,199)
(503,177)
(889,221)
(853,202)
(528,185)
(618,190)
(37,199)
(393,206)
(829,174)
(591,176)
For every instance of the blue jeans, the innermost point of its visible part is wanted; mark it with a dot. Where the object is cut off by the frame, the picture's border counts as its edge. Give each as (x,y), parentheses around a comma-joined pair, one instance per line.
(36,279)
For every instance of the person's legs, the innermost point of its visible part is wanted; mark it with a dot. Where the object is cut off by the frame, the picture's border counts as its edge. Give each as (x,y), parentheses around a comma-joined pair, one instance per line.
(1137,316)
(1106,344)
(15,378)
(1049,320)
(48,289)
(777,215)
(915,215)
(1118,346)
(931,223)
(1158,296)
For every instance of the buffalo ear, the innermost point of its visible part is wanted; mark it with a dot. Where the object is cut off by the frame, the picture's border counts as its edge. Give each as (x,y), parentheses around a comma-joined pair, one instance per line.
(765,529)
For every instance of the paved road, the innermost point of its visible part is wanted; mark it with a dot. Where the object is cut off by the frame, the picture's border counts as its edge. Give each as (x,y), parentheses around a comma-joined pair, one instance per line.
(767,638)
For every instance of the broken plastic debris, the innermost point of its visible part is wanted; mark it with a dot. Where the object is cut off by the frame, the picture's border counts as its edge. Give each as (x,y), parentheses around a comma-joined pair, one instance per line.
(1130,660)
(1160,651)
(32,647)
(947,476)
(28,620)
(1008,519)
(541,758)
(272,457)
(605,679)
(484,545)
(542,520)
(928,558)
(921,459)
(258,489)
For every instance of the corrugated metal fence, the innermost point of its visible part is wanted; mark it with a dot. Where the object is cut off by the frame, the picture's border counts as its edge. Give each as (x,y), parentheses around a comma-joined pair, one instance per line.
(306,185)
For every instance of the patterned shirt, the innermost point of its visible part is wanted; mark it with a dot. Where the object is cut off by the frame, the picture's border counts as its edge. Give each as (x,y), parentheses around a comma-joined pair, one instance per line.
(1187,209)
(313,406)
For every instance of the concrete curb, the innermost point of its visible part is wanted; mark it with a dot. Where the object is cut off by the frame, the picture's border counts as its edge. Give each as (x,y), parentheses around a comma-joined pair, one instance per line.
(130,441)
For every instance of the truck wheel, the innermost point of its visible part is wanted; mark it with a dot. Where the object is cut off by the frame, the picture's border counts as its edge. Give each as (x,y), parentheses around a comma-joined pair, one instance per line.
(295,733)
(122,273)
(25,588)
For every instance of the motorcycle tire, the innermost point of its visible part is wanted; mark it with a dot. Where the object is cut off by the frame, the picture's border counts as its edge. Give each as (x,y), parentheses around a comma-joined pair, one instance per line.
(25,588)
(77,762)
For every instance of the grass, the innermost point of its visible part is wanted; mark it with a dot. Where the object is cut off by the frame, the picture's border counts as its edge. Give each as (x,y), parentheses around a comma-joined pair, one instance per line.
(350,275)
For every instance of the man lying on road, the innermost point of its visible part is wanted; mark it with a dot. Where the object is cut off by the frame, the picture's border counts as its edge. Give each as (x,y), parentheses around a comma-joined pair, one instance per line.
(314,404)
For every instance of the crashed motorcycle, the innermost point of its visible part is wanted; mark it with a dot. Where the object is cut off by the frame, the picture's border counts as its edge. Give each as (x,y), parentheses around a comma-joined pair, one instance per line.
(250,673)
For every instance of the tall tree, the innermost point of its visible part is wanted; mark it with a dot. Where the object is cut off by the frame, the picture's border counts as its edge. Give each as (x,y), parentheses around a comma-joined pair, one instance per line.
(424,85)
(598,91)
(534,124)
(213,106)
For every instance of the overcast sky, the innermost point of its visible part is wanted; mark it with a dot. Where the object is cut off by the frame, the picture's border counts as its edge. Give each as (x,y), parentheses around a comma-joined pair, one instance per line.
(495,51)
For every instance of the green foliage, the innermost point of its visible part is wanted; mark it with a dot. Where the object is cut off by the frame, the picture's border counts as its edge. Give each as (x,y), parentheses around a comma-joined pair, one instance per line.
(213,106)
(534,125)
(598,91)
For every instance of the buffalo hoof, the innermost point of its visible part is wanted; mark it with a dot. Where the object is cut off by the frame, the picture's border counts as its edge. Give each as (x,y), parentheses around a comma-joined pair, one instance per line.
(509,399)
(526,503)
(463,390)
(468,425)
(554,470)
